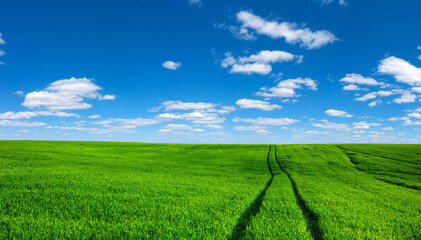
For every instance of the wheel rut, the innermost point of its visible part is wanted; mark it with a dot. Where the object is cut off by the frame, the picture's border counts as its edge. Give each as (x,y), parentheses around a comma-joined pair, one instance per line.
(244,220)
(240,228)
(311,217)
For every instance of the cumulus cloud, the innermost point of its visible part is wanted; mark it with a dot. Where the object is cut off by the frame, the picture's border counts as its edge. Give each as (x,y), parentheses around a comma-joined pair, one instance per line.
(352,87)
(66,94)
(257,129)
(327,2)
(171,65)
(354,78)
(19,93)
(1,39)
(196,106)
(364,125)
(286,88)
(291,32)
(415,115)
(12,123)
(237,32)
(202,112)
(374,103)
(1,51)
(198,117)
(367,96)
(338,113)
(406,97)
(214,126)
(94,116)
(332,126)
(108,97)
(250,68)
(401,70)
(172,127)
(179,105)
(178,127)
(416,89)
(373,95)
(31,114)
(195,2)
(267,121)
(257,104)
(259,63)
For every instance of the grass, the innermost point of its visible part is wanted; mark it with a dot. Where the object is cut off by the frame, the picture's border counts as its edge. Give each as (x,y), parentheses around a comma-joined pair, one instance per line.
(186,191)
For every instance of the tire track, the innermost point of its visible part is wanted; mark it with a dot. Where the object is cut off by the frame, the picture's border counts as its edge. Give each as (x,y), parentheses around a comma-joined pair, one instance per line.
(311,217)
(373,172)
(241,226)
(379,156)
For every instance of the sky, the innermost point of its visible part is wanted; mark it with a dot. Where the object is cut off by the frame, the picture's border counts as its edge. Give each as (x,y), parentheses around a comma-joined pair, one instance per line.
(201,71)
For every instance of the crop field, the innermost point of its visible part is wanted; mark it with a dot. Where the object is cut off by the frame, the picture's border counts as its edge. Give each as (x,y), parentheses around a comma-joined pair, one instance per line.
(79,190)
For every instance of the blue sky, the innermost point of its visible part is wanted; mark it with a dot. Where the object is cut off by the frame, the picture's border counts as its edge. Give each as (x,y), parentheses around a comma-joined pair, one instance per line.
(295,71)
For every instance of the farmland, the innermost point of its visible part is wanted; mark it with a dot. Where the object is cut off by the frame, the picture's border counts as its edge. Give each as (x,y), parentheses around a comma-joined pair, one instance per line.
(186,191)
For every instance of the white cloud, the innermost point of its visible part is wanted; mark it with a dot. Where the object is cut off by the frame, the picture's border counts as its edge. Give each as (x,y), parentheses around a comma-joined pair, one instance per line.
(267,56)
(226,109)
(291,32)
(374,103)
(257,104)
(333,126)
(415,115)
(1,51)
(171,65)
(367,96)
(364,125)
(267,121)
(250,68)
(317,132)
(373,95)
(338,113)
(214,126)
(195,117)
(327,2)
(164,131)
(206,113)
(179,105)
(248,128)
(94,116)
(195,2)
(240,33)
(1,39)
(352,87)
(30,114)
(10,123)
(259,63)
(178,127)
(108,97)
(257,129)
(387,129)
(416,89)
(393,119)
(64,94)
(406,97)
(125,125)
(19,93)
(401,70)
(354,78)
(285,89)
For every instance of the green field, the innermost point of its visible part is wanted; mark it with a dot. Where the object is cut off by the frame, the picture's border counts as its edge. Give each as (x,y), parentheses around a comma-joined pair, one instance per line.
(92,190)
